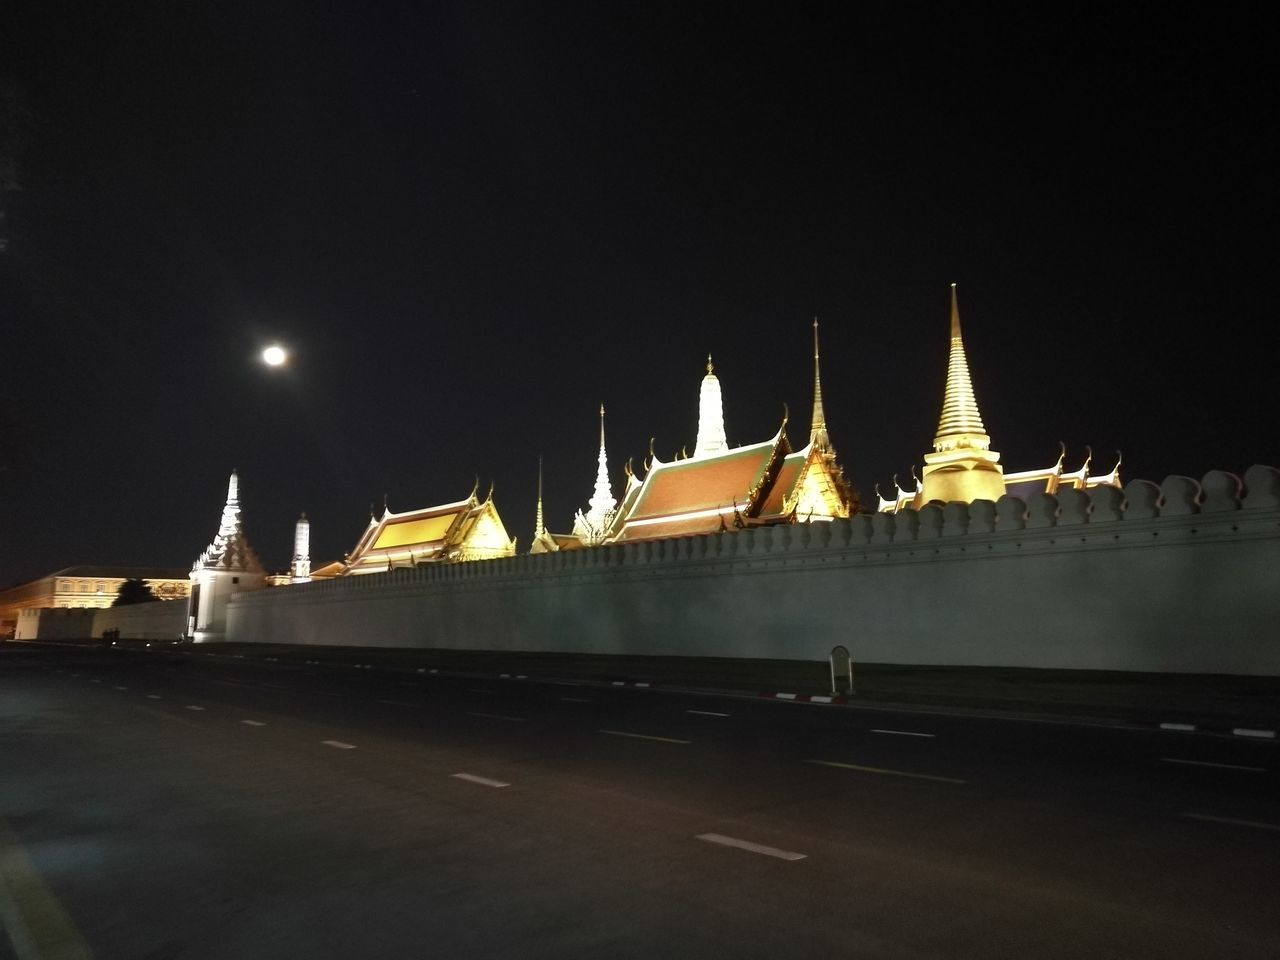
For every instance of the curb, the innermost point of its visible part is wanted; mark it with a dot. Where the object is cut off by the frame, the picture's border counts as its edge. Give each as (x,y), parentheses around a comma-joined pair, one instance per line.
(1256,734)
(807,698)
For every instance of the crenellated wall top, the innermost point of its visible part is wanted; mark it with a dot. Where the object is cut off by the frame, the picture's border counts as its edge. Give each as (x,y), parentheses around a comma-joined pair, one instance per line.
(1177,500)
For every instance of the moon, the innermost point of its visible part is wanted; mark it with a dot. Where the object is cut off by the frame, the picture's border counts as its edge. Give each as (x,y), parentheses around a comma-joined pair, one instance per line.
(274,355)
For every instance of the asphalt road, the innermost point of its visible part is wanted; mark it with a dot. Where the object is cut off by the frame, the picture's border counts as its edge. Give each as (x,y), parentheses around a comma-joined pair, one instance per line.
(181,807)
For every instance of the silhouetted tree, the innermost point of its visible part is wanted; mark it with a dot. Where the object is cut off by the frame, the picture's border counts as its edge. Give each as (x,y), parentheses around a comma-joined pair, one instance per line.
(133,591)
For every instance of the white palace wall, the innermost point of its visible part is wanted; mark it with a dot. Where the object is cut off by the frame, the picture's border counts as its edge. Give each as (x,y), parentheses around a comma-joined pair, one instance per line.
(1180,577)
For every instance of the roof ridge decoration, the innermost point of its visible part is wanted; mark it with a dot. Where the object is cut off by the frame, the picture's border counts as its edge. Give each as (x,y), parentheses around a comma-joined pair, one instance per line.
(960,425)
(711,436)
(230,549)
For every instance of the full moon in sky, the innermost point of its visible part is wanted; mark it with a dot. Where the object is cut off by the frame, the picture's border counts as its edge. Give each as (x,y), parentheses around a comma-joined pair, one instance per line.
(274,355)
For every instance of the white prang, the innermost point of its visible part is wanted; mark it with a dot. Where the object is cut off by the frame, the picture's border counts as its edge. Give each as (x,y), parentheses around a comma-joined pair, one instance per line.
(592,526)
(230,549)
(226,567)
(300,567)
(710,416)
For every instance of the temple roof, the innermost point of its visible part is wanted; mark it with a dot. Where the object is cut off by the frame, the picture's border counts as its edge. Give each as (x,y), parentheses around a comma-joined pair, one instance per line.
(126,573)
(789,476)
(700,494)
(427,534)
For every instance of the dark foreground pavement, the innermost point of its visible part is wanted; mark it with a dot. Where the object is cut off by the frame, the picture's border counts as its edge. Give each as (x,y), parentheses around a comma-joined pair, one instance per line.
(167,807)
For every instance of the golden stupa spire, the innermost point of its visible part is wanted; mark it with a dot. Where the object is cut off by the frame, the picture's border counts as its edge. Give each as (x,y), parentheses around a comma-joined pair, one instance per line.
(962,466)
(818,423)
(538,528)
(961,423)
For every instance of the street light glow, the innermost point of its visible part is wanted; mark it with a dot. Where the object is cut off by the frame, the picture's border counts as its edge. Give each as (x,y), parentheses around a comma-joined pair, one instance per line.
(274,355)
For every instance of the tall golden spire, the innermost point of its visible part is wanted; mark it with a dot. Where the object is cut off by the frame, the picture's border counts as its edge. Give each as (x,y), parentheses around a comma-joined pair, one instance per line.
(538,528)
(961,423)
(818,423)
(962,466)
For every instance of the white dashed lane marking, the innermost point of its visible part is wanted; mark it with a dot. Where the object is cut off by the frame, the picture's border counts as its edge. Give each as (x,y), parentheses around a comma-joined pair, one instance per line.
(483,781)
(709,713)
(338,744)
(1255,824)
(722,840)
(122,688)
(497,716)
(1219,766)
(154,696)
(642,736)
(904,733)
(253,723)
(885,772)
(192,706)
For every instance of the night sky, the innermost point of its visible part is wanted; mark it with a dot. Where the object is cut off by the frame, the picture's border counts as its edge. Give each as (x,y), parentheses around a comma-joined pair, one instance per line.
(472,225)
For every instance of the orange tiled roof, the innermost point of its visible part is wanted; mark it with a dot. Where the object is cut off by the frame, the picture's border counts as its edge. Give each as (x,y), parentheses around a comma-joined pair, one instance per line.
(702,484)
(788,476)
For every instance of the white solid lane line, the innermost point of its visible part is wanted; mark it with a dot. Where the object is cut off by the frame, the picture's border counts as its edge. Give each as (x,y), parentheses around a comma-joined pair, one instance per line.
(192,706)
(709,713)
(905,733)
(642,736)
(1257,825)
(338,744)
(748,845)
(1206,763)
(886,772)
(483,781)
(253,723)
(497,716)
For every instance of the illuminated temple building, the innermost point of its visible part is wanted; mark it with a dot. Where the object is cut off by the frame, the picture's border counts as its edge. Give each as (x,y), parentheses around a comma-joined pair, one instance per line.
(718,487)
(469,529)
(962,466)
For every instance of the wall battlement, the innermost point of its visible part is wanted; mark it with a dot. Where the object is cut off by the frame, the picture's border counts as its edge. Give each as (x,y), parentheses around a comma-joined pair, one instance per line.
(1144,578)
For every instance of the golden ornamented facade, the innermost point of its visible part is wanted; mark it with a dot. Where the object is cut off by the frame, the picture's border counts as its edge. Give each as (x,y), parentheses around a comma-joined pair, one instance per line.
(469,529)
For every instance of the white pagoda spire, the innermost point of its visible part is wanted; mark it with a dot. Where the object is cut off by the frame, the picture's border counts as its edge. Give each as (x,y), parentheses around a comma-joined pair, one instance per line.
(710,416)
(300,568)
(592,526)
(230,549)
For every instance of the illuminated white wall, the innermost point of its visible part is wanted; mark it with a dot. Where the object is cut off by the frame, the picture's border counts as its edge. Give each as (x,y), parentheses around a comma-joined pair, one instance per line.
(161,620)
(217,587)
(1178,577)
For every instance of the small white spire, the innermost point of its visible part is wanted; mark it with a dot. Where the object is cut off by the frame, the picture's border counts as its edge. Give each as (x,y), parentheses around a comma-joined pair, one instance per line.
(592,526)
(711,437)
(301,565)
